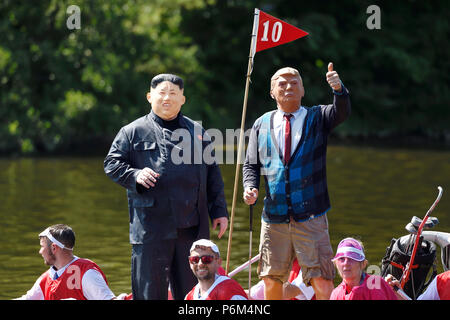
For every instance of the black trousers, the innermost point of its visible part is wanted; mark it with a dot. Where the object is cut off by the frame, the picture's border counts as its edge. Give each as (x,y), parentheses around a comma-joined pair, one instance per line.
(156,264)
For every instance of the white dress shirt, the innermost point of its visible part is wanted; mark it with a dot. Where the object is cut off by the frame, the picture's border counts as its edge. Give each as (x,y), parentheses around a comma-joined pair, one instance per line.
(431,293)
(279,125)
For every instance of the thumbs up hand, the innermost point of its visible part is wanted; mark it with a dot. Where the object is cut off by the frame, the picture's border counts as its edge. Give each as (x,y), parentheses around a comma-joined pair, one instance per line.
(333,78)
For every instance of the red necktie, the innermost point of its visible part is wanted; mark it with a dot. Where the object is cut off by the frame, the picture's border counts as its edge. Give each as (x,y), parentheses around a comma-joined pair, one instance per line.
(287,138)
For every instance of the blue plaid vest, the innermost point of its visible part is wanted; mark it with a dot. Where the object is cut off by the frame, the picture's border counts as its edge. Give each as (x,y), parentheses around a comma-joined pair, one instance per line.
(299,189)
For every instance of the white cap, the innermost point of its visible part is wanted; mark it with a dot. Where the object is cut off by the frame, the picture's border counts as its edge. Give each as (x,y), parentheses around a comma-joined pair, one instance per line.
(205,243)
(46,233)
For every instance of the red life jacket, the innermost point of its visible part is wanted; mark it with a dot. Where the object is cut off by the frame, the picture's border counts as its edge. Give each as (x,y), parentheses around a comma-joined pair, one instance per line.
(69,284)
(443,285)
(224,288)
(294,271)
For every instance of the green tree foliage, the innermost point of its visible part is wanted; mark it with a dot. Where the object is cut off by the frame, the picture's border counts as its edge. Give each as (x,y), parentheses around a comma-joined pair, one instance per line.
(398,75)
(61,88)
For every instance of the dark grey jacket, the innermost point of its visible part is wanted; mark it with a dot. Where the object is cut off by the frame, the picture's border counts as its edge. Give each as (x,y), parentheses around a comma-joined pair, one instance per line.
(185,194)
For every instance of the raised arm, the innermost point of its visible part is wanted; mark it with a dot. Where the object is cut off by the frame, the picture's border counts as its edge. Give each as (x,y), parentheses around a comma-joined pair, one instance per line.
(336,113)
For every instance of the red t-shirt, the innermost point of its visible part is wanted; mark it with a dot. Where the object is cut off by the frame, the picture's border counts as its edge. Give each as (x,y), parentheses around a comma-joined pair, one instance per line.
(373,288)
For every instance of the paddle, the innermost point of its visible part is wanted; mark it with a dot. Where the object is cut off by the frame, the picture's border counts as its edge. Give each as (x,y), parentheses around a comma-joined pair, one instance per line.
(244,265)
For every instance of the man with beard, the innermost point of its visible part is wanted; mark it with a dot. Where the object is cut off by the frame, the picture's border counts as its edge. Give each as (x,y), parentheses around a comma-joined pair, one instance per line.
(205,262)
(69,277)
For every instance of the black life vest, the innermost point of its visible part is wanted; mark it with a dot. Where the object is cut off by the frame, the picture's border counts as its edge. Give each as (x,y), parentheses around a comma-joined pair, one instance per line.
(397,257)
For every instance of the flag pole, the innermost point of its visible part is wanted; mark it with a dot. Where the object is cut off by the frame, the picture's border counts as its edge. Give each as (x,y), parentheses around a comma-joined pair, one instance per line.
(241,133)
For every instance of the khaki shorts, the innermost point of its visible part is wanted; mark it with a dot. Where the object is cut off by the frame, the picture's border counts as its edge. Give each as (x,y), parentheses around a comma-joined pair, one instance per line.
(308,241)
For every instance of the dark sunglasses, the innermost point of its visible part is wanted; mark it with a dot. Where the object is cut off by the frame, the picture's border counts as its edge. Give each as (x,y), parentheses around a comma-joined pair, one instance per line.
(206,259)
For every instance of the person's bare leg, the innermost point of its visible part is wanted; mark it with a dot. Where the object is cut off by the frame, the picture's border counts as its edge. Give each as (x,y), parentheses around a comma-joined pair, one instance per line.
(273,289)
(322,288)
(290,291)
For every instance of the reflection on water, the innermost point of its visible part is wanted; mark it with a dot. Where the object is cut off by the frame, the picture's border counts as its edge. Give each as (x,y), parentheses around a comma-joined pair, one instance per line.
(374,193)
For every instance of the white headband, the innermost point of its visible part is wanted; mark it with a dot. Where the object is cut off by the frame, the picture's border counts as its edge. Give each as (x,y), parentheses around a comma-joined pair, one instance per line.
(350,249)
(46,233)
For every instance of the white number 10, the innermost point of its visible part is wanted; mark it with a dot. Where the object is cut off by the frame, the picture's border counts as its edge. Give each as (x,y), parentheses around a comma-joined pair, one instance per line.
(276,31)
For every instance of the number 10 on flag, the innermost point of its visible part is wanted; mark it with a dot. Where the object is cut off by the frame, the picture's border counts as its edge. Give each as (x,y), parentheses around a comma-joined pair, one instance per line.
(271,32)
(277,28)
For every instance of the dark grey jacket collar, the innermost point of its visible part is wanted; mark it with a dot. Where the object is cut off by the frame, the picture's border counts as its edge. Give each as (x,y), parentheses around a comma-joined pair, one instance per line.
(171,124)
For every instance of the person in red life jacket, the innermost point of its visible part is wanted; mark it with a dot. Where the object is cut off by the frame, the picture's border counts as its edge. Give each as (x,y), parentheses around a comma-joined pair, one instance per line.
(205,263)
(438,289)
(351,262)
(293,289)
(69,277)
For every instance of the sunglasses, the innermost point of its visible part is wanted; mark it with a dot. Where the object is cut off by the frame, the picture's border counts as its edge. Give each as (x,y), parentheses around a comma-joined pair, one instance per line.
(206,259)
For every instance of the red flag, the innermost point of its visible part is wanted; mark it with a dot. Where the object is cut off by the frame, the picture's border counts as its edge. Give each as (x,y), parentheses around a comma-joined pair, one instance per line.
(272,32)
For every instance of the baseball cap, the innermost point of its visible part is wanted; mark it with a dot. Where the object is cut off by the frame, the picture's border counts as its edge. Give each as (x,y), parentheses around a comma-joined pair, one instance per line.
(350,248)
(205,243)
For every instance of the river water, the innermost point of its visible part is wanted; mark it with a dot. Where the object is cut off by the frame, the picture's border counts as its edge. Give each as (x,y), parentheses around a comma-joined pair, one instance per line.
(374,193)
